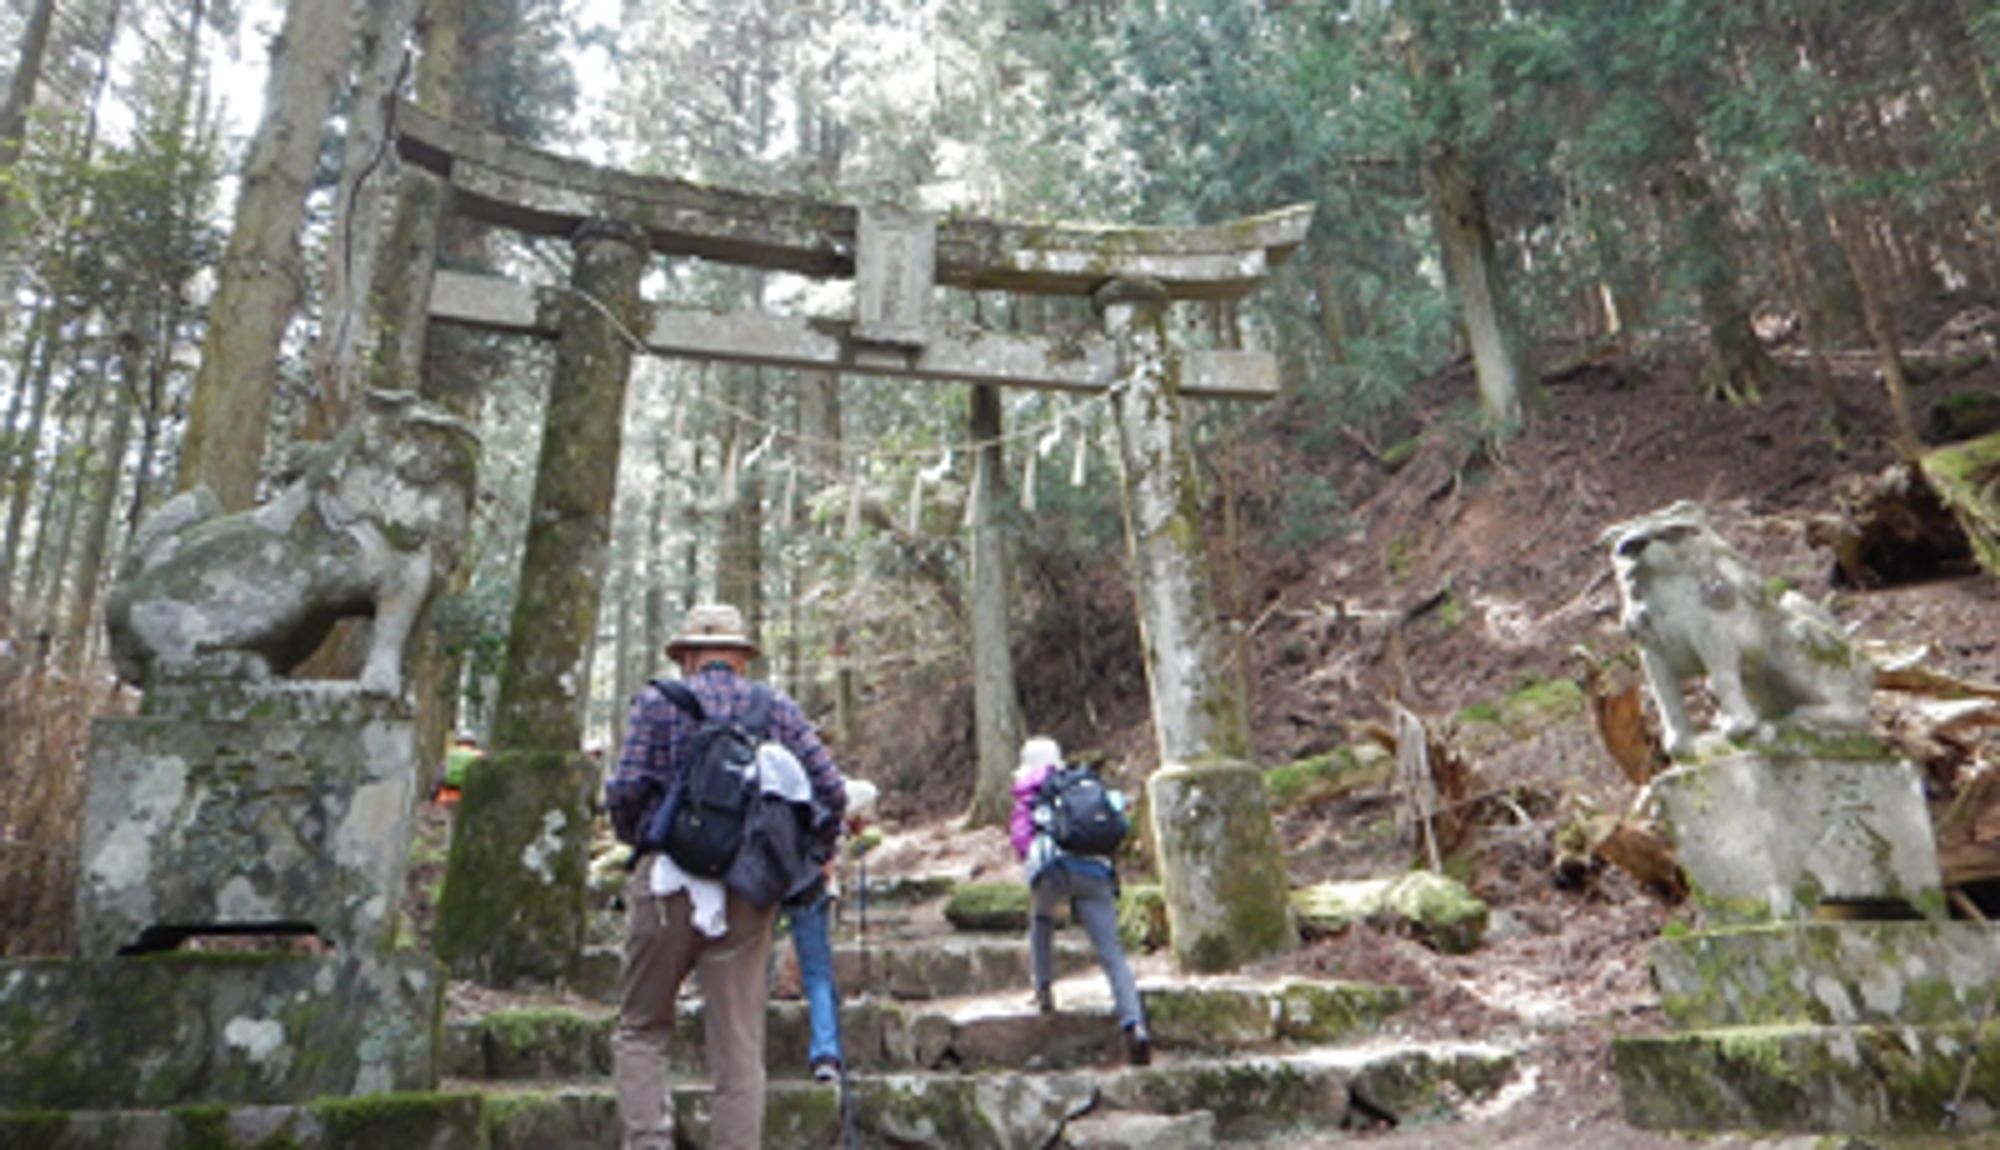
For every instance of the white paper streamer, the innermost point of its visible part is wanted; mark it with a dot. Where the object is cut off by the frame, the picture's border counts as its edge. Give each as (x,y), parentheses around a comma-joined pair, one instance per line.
(1028,480)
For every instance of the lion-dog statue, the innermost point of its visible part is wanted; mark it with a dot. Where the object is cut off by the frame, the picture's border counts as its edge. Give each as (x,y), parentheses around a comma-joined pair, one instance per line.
(1697,608)
(370,526)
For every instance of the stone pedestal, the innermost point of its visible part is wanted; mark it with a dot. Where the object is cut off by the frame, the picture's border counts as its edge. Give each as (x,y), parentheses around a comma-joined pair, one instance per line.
(1782,1022)
(233,809)
(174,1029)
(1775,835)
(1224,878)
(279,810)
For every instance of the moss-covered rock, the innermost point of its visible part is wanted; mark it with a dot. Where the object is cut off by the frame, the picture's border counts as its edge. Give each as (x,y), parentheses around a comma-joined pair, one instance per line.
(416,1121)
(1440,910)
(1434,908)
(1967,477)
(1142,917)
(992,906)
(1326,1012)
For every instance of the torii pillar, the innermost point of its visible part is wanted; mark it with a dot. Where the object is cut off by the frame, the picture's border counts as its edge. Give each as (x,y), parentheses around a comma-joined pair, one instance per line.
(1227,891)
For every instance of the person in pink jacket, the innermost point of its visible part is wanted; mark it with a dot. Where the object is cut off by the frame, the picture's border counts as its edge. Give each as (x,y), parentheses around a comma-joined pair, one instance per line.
(1089,883)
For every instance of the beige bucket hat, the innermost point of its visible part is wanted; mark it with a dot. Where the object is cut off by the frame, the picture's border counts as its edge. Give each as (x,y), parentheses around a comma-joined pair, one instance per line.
(711,625)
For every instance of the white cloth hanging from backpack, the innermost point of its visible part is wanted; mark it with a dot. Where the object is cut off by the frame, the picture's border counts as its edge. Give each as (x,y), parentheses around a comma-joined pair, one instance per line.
(707,898)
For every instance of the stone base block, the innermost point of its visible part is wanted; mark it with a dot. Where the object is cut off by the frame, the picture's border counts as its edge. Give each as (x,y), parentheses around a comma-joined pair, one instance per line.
(1773,835)
(279,810)
(1810,1079)
(1241,1099)
(180,1029)
(1221,867)
(1841,974)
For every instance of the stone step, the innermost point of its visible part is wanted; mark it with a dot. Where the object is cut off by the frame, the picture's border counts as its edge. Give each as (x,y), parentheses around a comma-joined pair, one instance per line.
(1232,1099)
(928,968)
(1001,1031)
(1811,1079)
(1828,974)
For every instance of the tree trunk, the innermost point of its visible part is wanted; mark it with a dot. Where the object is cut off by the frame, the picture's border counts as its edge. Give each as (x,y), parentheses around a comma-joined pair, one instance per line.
(996,707)
(1465,235)
(562,564)
(27,73)
(37,367)
(262,275)
(523,824)
(1738,369)
(358,209)
(739,573)
(104,486)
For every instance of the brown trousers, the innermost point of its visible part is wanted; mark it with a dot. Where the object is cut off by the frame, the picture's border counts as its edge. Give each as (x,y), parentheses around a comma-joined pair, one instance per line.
(662,948)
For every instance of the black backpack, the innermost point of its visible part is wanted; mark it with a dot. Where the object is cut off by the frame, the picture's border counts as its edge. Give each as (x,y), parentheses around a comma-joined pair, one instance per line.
(1079,812)
(700,823)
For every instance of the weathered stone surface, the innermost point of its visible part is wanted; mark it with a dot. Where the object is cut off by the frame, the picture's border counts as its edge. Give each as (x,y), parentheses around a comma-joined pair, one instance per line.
(1224,879)
(372,528)
(416,1121)
(1113,1130)
(1070,362)
(1251,1097)
(949,967)
(1003,1032)
(522,875)
(1314,1011)
(1849,1079)
(1699,610)
(174,1029)
(1434,908)
(514,186)
(290,813)
(1913,973)
(1773,834)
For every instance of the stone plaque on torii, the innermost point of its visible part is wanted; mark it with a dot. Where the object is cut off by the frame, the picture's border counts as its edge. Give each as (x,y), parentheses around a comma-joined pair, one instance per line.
(1226,887)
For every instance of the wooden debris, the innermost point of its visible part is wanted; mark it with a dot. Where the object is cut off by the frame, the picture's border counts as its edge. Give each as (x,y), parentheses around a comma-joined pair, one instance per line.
(1620,714)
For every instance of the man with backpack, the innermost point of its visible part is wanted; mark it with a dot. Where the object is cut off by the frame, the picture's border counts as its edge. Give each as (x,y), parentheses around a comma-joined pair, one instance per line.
(1065,826)
(680,922)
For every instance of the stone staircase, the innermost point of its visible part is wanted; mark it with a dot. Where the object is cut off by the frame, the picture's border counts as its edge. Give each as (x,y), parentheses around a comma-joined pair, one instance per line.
(945,1049)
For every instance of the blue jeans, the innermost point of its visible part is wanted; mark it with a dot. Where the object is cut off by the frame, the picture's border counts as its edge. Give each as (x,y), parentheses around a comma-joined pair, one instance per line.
(814,948)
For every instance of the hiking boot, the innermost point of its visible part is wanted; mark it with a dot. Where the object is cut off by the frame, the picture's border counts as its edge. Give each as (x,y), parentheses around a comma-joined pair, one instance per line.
(1045,1000)
(1138,1045)
(826,1068)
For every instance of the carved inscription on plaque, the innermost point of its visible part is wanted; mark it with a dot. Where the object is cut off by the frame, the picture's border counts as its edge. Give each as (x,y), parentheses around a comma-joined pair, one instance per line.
(894,267)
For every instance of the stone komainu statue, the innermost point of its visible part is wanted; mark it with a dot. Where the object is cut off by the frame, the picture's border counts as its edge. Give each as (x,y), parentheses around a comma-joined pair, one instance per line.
(371,527)
(1697,608)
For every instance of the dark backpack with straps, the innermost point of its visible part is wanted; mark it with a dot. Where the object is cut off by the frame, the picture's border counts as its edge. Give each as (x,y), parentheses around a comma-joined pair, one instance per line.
(701,821)
(1080,812)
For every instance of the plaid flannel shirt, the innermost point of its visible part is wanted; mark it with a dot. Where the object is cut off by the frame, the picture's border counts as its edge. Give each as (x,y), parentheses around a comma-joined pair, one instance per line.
(656,730)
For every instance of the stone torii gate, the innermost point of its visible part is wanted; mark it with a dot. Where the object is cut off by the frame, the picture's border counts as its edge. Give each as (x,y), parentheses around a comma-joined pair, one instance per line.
(1225,882)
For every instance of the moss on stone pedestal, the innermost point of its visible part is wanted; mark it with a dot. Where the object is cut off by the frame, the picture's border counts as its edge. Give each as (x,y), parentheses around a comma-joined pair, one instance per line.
(512,909)
(1220,868)
(1851,1079)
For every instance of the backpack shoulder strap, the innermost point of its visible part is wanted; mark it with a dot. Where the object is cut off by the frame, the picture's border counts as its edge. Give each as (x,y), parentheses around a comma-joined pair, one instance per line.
(680,696)
(757,716)
(1052,783)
